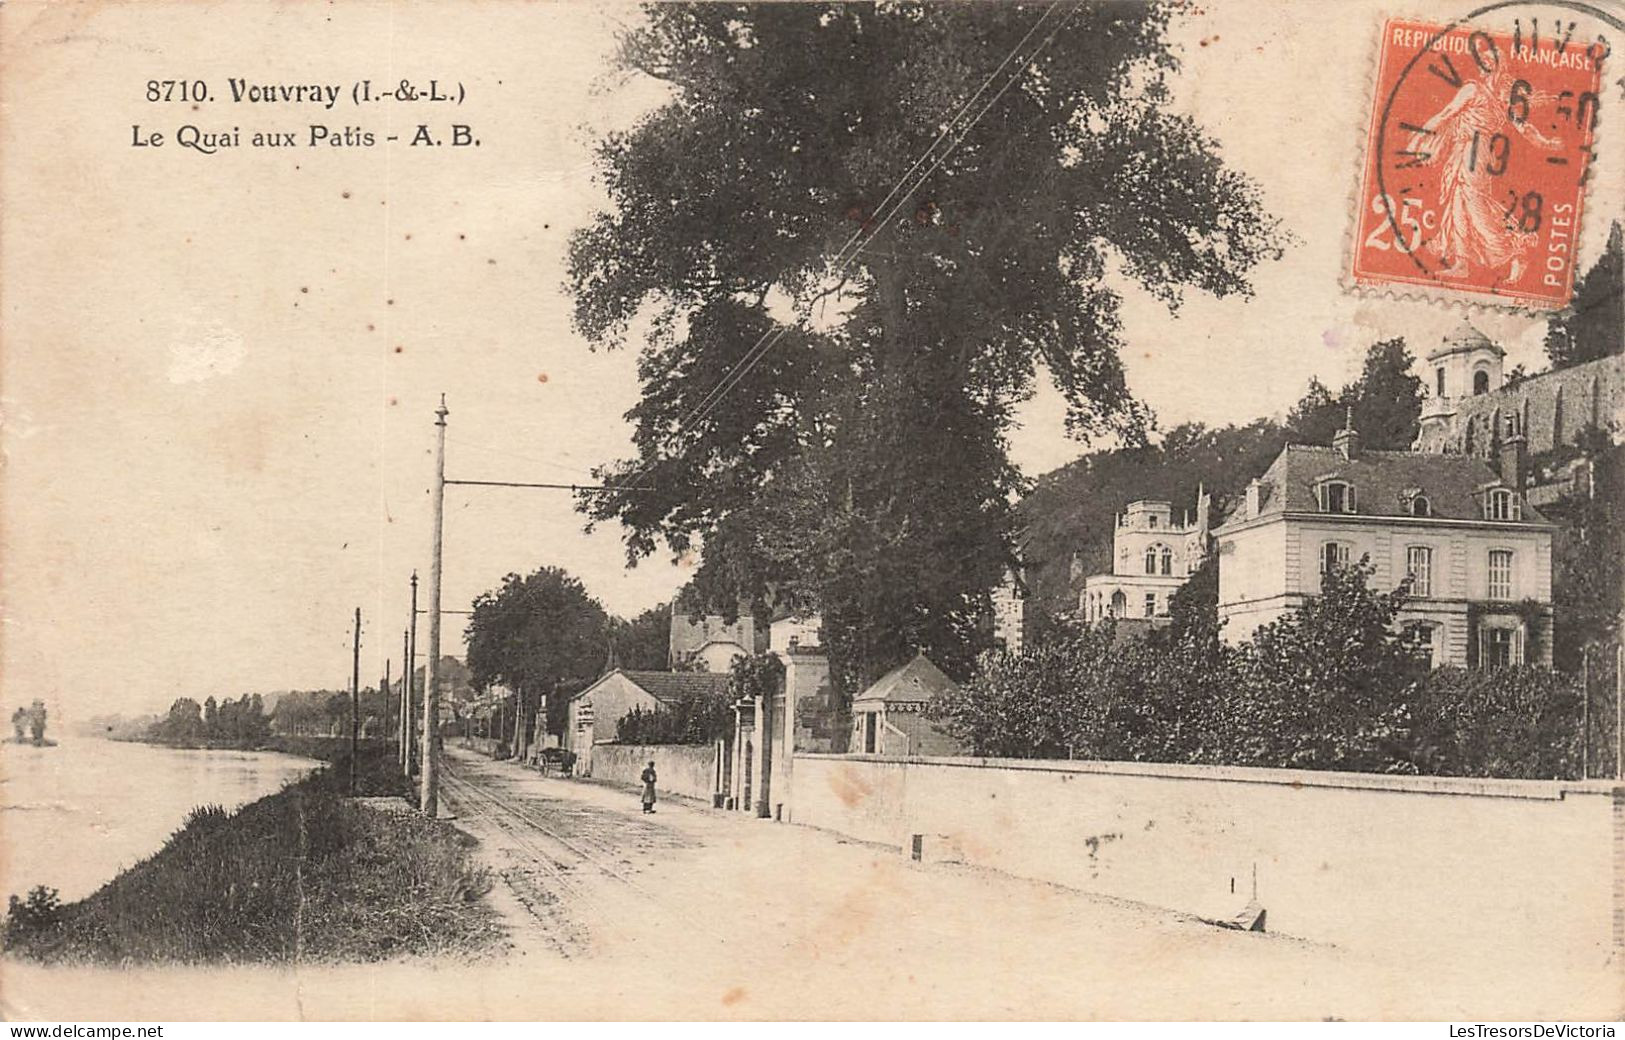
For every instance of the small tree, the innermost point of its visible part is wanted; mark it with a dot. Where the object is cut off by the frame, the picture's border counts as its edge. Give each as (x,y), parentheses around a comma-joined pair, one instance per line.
(1324,687)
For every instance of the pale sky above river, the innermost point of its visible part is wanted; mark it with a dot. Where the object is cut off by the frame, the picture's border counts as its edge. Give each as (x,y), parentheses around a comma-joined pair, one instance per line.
(219,371)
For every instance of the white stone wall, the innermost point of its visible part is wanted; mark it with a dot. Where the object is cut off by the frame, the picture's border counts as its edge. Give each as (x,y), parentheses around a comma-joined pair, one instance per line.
(1384,864)
(681,769)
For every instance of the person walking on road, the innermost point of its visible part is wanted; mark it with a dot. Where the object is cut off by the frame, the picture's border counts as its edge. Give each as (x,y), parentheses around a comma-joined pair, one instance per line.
(649,788)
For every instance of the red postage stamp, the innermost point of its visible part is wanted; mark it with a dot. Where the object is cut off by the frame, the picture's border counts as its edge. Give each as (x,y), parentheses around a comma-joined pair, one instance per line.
(1476,163)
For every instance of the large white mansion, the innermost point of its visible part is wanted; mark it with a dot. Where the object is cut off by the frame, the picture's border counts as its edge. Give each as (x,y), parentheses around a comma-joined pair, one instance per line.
(1457,518)
(1476,556)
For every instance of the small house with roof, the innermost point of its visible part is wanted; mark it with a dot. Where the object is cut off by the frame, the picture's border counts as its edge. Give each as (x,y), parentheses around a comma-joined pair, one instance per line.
(1458,530)
(594,715)
(889,717)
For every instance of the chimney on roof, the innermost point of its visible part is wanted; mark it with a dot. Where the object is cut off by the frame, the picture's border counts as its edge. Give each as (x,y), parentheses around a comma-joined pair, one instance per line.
(1252,498)
(1512,454)
(1204,505)
(1347,440)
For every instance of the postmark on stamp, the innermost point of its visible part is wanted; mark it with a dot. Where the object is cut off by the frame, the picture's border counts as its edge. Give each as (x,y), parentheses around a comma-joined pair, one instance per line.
(1477,160)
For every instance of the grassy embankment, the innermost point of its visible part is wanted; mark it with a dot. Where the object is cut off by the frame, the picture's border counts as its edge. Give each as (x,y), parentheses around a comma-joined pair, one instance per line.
(300,875)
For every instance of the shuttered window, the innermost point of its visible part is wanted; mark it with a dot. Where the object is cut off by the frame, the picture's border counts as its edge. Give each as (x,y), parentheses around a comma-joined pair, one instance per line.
(1500,567)
(1419,568)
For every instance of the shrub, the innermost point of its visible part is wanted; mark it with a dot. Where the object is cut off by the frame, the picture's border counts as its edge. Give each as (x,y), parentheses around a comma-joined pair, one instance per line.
(40,913)
(1508,722)
(699,719)
(1041,703)
(1331,686)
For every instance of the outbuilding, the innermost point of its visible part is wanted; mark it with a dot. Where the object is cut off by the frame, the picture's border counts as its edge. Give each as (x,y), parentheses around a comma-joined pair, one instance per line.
(889,717)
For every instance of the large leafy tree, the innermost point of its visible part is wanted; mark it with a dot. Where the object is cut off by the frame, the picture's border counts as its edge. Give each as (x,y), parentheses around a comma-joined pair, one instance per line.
(1386,400)
(534,634)
(1325,686)
(859,465)
(644,641)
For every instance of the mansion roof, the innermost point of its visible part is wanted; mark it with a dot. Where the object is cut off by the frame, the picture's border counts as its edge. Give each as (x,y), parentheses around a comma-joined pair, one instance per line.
(1384,483)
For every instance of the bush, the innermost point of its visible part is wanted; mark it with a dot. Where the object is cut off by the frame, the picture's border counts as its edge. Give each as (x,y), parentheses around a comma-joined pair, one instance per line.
(1037,704)
(40,913)
(1509,722)
(699,719)
(1331,686)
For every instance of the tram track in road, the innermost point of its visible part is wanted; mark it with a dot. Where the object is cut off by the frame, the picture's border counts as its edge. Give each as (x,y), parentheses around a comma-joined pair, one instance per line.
(559,856)
(543,901)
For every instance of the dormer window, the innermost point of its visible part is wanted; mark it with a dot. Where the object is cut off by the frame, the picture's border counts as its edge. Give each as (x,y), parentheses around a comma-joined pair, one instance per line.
(1502,504)
(1416,503)
(1335,496)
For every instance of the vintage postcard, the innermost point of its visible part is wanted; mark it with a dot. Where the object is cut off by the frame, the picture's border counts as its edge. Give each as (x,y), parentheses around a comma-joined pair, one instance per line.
(946,511)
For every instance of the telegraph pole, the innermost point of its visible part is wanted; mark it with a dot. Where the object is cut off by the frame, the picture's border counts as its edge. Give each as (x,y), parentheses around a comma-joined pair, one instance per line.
(355,699)
(403,721)
(412,677)
(388,693)
(430,793)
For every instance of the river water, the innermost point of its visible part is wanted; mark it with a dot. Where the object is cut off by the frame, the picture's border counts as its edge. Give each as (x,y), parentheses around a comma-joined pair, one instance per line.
(74,815)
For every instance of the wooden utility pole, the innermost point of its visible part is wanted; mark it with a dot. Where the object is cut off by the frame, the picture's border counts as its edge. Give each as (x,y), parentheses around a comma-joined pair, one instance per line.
(429,795)
(403,722)
(355,699)
(519,723)
(1619,713)
(388,692)
(412,677)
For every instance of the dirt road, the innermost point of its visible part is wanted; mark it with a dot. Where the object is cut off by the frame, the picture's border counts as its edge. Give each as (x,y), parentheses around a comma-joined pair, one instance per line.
(697,913)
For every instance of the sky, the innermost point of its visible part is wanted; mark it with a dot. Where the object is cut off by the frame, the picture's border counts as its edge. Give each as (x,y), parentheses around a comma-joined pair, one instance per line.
(219,371)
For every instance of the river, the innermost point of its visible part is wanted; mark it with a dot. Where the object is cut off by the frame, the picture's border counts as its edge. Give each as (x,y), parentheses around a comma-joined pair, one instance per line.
(74,815)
